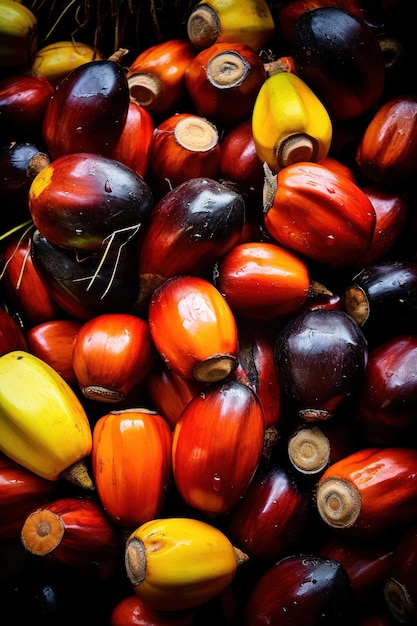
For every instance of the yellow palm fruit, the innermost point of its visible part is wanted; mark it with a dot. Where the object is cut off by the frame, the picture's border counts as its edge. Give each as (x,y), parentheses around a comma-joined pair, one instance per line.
(289,122)
(58,59)
(180,563)
(240,21)
(43,425)
(19,34)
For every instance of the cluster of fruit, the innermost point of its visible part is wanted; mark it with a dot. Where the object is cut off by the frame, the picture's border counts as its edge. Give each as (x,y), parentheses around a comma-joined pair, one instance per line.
(208,325)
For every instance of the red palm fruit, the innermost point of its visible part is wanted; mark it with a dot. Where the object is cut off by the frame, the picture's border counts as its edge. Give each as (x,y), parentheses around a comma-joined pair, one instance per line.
(12,336)
(289,12)
(223,81)
(392,210)
(256,368)
(337,166)
(72,531)
(156,76)
(23,102)
(184,146)
(303,590)
(381,298)
(387,402)
(112,355)
(87,111)
(133,146)
(53,342)
(170,393)
(133,611)
(321,355)
(239,161)
(190,227)
(319,214)
(24,287)
(20,491)
(367,563)
(131,463)
(263,281)
(194,329)
(83,201)
(370,493)
(338,55)
(272,517)
(217,446)
(400,588)
(387,152)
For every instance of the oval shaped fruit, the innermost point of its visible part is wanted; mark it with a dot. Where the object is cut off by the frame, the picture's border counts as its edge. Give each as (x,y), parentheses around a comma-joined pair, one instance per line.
(217,446)
(319,214)
(55,60)
(262,281)
(19,34)
(179,563)
(321,356)
(112,354)
(201,218)
(82,201)
(339,57)
(371,492)
(131,464)
(88,110)
(193,328)
(43,423)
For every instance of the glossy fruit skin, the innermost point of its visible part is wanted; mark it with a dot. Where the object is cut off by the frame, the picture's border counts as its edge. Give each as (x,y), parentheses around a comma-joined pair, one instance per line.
(287,110)
(271,519)
(402,602)
(12,336)
(385,479)
(133,611)
(339,56)
(23,284)
(288,13)
(387,151)
(338,348)
(217,446)
(131,463)
(179,563)
(256,368)
(319,214)
(239,161)
(386,406)
(201,218)
(174,159)
(193,327)
(19,163)
(88,110)
(39,407)
(367,563)
(170,393)
(53,342)
(388,290)
(23,102)
(263,281)
(214,98)
(112,355)
(165,61)
(133,145)
(20,491)
(302,590)
(392,210)
(114,200)
(86,287)
(20,36)
(89,538)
